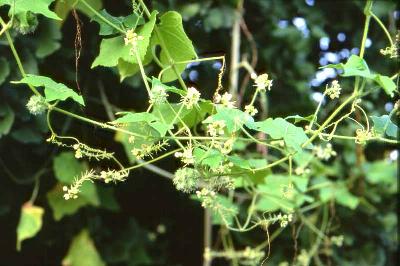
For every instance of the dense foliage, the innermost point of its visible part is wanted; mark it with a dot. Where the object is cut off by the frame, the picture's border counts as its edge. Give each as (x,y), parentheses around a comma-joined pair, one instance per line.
(188,132)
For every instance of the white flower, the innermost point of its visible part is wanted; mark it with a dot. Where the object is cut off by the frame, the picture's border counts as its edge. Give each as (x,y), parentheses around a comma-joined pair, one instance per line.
(186,156)
(216,128)
(36,105)
(131,38)
(225,100)
(324,153)
(262,82)
(191,99)
(186,179)
(251,110)
(334,90)
(158,95)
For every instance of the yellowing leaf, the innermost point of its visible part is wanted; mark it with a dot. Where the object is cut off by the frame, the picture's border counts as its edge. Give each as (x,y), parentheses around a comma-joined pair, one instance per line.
(30,223)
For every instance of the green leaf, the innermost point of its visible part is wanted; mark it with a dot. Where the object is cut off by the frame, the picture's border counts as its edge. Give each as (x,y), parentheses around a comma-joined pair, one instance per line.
(149,118)
(62,207)
(279,128)
(383,125)
(7,117)
(272,197)
(356,66)
(27,135)
(64,7)
(166,112)
(234,118)
(299,118)
(175,44)
(48,39)
(4,70)
(227,213)
(52,90)
(140,128)
(220,17)
(114,49)
(107,199)
(211,158)
(30,223)
(21,7)
(67,168)
(83,252)
(380,172)
(129,22)
(386,83)
(338,192)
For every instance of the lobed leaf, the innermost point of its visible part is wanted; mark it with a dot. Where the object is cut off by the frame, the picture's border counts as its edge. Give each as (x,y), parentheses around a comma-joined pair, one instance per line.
(52,90)
(356,66)
(175,44)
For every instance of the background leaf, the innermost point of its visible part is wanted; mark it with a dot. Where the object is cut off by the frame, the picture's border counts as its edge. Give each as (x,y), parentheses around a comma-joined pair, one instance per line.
(82,251)
(30,223)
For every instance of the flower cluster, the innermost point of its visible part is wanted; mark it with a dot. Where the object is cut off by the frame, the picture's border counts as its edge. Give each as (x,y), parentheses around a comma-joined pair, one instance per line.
(303,259)
(337,240)
(251,256)
(148,149)
(132,38)
(36,105)
(333,91)
(158,95)
(283,220)
(83,150)
(324,153)
(224,147)
(250,110)
(191,99)
(186,179)
(74,189)
(301,171)
(262,83)
(216,128)
(207,197)
(362,136)
(113,175)
(186,156)
(393,50)
(225,99)
(225,182)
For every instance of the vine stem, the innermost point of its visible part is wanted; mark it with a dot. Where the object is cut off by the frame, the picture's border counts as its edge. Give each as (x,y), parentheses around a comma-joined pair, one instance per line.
(329,119)
(163,46)
(383,28)
(152,160)
(101,17)
(93,122)
(16,56)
